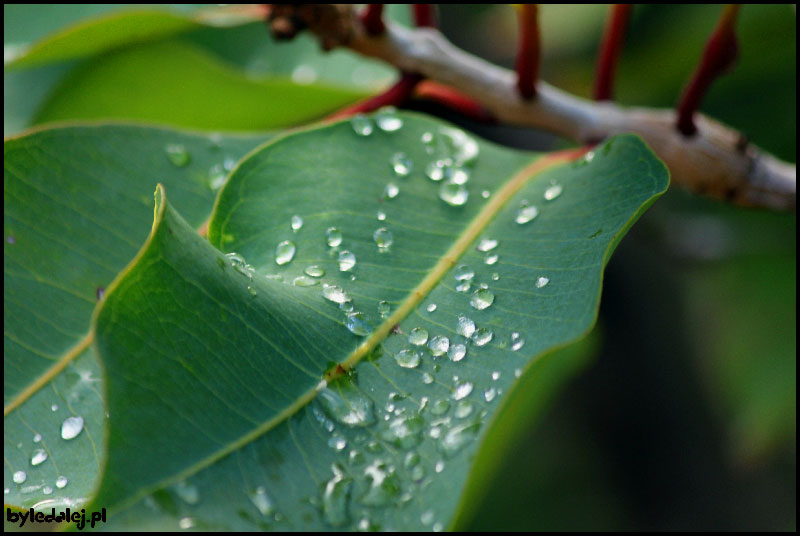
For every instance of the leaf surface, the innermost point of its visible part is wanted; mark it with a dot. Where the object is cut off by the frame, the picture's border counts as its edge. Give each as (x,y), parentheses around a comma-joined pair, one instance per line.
(218,417)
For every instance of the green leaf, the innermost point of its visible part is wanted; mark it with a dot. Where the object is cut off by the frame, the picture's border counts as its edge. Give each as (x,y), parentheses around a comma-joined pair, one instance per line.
(179,84)
(218,417)
(77,207)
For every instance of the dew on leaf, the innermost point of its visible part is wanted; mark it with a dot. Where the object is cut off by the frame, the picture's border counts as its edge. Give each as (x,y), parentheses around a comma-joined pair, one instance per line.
(400,164)
(187,493)
(362,125)
(462,390)
(457,437)
(464,286)
(261,501)
(408,358)
(61,482)
(71,427)
(435,170)
(387,119)
(284,252)
(186,523)
(383,238)
(304,281)
(487,244)
(485,194)
(343,402)
(335,498)
(440,406)
(453,194)
(337,443)
(314,271)
(439,345)
(481,299)
(296,223)
(177,154)
(37,438)
(427,378)
(464,273)
(491,258)
(357,324)
(390,191)
(463,409)
(431,307)
(542,281)
(383,484)
(526,213)
(217,176)
(381,215)
(418,336)
(384,308)
(404,432)
(482,336)
(489,394)
(347,260)
(553,191)
(38,457)
(457,352)
(517,341)
(19,477)
(333,237)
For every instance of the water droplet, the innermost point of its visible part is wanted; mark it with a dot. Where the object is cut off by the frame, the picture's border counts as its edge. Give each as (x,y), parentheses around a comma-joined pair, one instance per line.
(552,192)
(491,258)
(177,154)
(487,244)
(217,176)
(71,427)
(485,194)
(337,443)
(381,215)
(346,404)
(38,457)
(362,125)
(387,119)
(384,308)
(391,191)
(440,406)
(346,260)
(187,492)
(284,253)
(47,490)
(465,148)
(517,373)
(462,390)
(517,342)
(435,170)
(496,375)
(427,517)
(457,352)
(439,345)
(37,438)
(431,307)
(19,477)
(239,264)
(489,394)
(542,281)
(464,273)
(526,213)
(296,223)
(481,299)
(464,286)
(457,437)
(356,457)
(253,292)
(418,336)
(404,432)
(384,485)
(401,164)
(186,523)
(304,281)
(335,498)
(333,236)
(61,482)
(261,501)
(54,407)
(427,378)
(466,327)
(439,467)
(495,276)
(357,324)
(482,336)
(463,409)
(383,237)
(408,358)
(314,271)
(453,194)
(347,307)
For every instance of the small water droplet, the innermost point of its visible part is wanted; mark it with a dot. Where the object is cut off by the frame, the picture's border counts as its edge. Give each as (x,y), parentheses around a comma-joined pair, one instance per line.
(387,119)
(464,273)
(383,237)
(37,438)
(496,375)
(464,286)
(253,292)
(489,394)
(408,358)
(71,427)
(463,409)
(401,164)
(335,498)
(404,432)
(357,324)
(347,307)
(482,336)
(261,501)
(491,258)
(304,281)
(485,194)
(590,156)
(526,213)
(296,223)
(495,276)
(99,293)
(462,390)
(19,477)
(346,404)
(239,264)
(187,492)
(284,253)
(38,457)
(333,236)
(356,457)
(453,194)
(517,341)
(440,406)
(457,437)
(552,192)
(391,191)
(487,244)
(314,271)
(346,260)
(465,149)
(47,490)
(418,336)
(337,443)
(481,299)
(384,484)
(431,307)
(177,154)
(542,281)
(54,407)
(384,308)
(465,327)
(435,171)
(61,482)
(457,352)
(427,378)
(217,176)
(439,345)
(362,125)
(381,215)
(439,467)
(186,523)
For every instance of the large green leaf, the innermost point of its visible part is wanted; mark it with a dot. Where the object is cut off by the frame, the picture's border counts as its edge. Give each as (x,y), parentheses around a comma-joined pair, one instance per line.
(219,418)
(76,209)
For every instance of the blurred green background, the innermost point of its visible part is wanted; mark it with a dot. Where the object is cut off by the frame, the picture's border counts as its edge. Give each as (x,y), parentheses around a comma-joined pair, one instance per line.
(684,414)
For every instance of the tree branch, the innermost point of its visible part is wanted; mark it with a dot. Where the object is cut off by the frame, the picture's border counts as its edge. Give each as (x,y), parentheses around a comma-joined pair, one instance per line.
(717,161)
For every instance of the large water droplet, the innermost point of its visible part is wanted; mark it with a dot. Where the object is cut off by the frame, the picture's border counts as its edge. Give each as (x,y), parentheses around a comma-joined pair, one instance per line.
(346,260)
(333,236)
(526,213)
(464,273)
(239,264)
(481,299)
(384,486)
(335,294)
(314,271)
(404,432)
(440,406)
(38,457)
(439,345)
(482,336)
(387,119)
(296,223)
(465,149)
(284,253)
(391,191)
(401,164)
(462,390)
(346,404)
(357,324)
(457,352)
(335,498)
(261,501)
(552,192)
(435,171)
(542,281)
(408,358)
(487,244)
(383,237)
(61,482)
(418,336)
(19,477)
(457,437)
(71,427)
(177,154)
(463,409)
(362,125)
(453,194)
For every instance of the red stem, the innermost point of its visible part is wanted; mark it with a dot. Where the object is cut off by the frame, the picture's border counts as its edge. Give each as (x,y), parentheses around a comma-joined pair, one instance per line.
(372,19)
(424,16)
(528,52)
(394,96)
(453,99)
(609,50)
(718,57)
